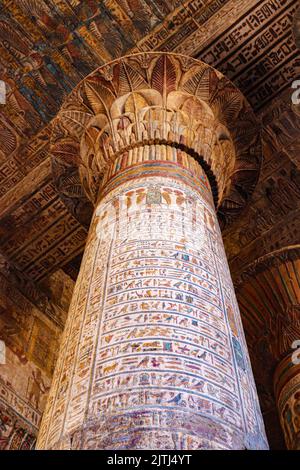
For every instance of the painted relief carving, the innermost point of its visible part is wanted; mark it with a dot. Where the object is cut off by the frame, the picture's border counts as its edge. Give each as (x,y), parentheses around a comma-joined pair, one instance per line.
(163,339)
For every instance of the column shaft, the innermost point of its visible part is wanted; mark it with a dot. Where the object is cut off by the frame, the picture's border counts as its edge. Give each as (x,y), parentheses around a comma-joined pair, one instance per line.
(287,392)
(153,354)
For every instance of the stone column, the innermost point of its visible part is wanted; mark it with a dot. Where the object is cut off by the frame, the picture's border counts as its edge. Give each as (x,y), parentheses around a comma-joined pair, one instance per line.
(268,293)
(153,354)
(287,393)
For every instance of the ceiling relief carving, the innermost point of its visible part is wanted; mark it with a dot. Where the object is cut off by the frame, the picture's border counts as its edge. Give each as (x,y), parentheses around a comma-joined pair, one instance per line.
(262,64)
(38,296)
(61,46)
(268,293)
(296,28)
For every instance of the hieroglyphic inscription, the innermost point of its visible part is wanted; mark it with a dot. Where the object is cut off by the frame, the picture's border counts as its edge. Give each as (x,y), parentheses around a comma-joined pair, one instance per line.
(157,339)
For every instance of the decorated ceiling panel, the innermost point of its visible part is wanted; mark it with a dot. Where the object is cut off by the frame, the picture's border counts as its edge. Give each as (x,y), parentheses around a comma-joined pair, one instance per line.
(47,47)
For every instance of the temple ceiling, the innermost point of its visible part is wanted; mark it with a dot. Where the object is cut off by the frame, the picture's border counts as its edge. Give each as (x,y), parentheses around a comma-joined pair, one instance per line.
(47,47)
